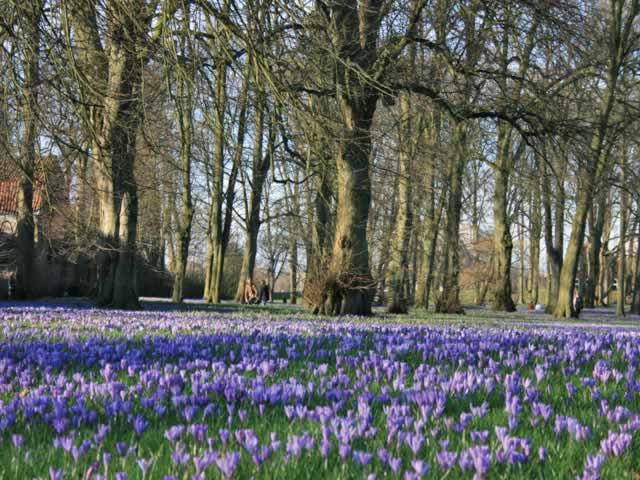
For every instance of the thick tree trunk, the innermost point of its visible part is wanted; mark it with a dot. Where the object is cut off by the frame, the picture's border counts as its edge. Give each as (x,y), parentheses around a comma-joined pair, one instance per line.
(293,268)
(598,161)
(554,213)
(398,268)
(475,230)
(425,281)
(564,305)
(596,226)
(622,264)
(29,17)
(260,169)
(534,246)
(449,300)
(319,235)
(215,256)
(384,259)
(521,269)
(434,208)
(349,290)
(635,303)
(503,243)
(113,118)
(184,110)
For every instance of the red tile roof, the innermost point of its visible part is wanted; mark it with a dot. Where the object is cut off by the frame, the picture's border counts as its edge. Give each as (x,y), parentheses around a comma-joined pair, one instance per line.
(47,172)
(9,198)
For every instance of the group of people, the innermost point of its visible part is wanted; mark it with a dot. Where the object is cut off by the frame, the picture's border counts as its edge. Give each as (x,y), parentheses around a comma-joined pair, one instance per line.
(253,296)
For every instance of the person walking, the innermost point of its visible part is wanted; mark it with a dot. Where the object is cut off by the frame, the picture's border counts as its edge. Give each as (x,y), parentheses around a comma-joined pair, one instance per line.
(264,293)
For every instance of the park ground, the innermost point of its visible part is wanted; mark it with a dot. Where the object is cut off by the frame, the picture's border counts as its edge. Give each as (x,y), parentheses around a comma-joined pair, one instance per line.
(231,391)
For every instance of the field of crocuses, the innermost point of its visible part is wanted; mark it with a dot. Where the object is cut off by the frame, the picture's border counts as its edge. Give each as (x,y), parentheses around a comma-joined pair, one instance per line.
(88,394)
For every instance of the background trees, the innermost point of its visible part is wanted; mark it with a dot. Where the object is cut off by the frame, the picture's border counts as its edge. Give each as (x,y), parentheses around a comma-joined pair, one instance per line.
(354,146)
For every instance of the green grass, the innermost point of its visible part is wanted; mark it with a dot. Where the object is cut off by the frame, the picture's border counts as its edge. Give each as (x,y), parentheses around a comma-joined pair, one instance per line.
(566,456)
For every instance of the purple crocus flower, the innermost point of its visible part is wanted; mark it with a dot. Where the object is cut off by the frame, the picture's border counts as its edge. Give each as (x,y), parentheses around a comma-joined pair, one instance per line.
(480,436)
(198,431)
(121,448)
(343,450)
(395,463)
(420,467)
(224,435)
(415,442)
(179,456)
(615,444)
(17,440)
(55,474)
(465,461)
(481,457)
(144,465)
(362,458)
(542,454)
(446,459)
(139,425)
(174,433)
(228,464)
(383,455)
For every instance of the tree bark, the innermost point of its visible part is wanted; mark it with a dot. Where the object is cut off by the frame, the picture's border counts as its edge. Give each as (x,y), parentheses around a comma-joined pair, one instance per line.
(398,268)
(596,225)
(554,214)
(635,303)
(29,17)
(622,261)
(349,288)
(521,270)
(534,246)
(619,36)
(184,112)
(449,300)
(503,243)
(261,164)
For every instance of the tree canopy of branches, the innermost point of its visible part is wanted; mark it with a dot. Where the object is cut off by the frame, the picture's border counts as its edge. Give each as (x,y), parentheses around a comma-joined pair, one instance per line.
(358,144)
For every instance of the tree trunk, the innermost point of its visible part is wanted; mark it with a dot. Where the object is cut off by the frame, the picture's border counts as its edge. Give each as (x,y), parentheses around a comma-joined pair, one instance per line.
(319,235)
(293,268)
(184,112)
(534,246)
(521,270)
(554,213)
(260,168)
(635,303)
(564,305)
(350,287)
(503,243)
(398,268)
(216,256)
(598,160)
(29,18)
(449,300)
(425,281)
(431,141)
(114,76)
(384,259)
(622,265)
(596,226)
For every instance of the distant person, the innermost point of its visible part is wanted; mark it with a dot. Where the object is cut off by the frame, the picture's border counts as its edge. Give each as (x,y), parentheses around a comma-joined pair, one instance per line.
(250,292)
(11,285)
(577,303)
(264,293)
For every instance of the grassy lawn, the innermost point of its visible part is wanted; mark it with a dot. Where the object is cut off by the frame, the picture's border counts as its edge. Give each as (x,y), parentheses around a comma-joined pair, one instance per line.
(272,392)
